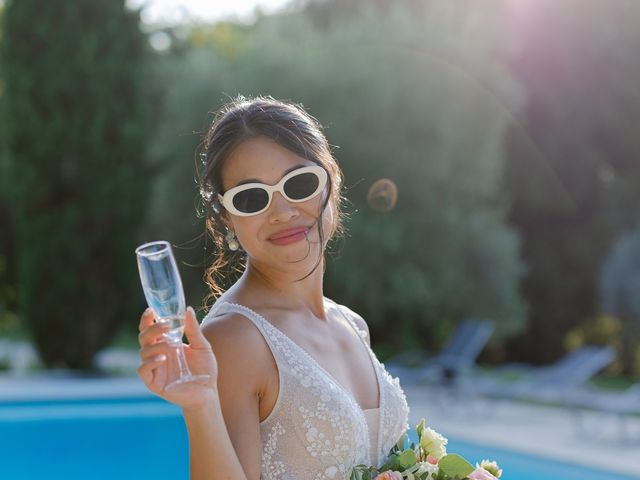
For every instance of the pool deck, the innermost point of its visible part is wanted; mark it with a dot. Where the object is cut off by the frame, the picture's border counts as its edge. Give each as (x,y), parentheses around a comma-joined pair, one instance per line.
(544,431)
(585,438)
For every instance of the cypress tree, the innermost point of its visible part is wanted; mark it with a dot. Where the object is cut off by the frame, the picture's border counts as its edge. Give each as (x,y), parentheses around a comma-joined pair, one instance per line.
(76,127)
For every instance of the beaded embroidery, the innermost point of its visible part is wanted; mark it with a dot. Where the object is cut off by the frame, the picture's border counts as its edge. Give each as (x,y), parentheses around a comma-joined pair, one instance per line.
(317,430)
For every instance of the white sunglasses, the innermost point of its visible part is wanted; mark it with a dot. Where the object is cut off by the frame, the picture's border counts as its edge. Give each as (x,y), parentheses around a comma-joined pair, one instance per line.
(253,198)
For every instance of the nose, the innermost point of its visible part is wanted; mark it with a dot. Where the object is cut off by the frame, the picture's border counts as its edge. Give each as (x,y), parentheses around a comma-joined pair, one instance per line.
(281,210)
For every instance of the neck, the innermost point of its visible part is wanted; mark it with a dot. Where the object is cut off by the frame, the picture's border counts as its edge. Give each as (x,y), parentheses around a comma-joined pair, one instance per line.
(284,289)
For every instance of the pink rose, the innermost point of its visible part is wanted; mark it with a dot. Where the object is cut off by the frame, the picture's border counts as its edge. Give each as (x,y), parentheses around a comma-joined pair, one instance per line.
(432,460)
(481,474)
(389,475)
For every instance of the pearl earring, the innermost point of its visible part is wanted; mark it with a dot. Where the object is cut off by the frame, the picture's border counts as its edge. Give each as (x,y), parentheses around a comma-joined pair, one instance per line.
(232,241)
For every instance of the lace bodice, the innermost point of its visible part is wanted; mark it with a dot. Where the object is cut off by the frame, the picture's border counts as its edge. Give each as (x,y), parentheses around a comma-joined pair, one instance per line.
(372,415)
(317,430)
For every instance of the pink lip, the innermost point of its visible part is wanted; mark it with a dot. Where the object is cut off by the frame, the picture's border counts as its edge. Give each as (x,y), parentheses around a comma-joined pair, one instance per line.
(289,236)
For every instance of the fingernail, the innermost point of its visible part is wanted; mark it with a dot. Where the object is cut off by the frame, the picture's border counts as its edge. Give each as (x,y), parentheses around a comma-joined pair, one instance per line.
(160,358)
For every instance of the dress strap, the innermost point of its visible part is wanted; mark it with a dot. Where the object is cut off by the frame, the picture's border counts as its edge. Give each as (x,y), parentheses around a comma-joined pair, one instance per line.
(375,431)
(221,307)
(361,333)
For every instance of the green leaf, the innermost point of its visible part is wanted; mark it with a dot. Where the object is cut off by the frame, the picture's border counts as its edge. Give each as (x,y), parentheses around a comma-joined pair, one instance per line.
(392,463)
(407,459)
(454,465)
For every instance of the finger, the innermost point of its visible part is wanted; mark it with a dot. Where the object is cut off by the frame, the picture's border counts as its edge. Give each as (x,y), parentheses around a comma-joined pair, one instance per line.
(160,376)
(146,369)
(192,330)
(152,333)
(150,351)
(146,319)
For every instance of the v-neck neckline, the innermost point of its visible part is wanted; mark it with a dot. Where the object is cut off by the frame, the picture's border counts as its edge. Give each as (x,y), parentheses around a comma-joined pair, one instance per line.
(331,378)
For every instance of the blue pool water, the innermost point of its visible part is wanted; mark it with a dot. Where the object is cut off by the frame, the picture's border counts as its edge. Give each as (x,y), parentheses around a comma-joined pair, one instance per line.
(145,438)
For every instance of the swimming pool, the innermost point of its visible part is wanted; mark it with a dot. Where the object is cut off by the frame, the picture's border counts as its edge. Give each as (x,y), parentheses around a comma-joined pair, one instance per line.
(145,438)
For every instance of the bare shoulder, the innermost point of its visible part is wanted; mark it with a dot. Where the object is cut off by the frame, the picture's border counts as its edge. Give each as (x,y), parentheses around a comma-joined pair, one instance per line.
(239,347)
(357,319)
(232,327)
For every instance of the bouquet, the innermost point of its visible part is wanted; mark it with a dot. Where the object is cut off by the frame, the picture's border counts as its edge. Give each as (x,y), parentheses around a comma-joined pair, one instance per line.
(428,460)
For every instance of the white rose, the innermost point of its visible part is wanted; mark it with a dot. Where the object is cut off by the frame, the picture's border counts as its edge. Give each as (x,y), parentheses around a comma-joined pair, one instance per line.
(491,467)
(433,443)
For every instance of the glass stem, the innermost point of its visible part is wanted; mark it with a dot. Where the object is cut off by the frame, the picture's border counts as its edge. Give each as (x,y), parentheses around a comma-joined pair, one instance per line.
(182,361)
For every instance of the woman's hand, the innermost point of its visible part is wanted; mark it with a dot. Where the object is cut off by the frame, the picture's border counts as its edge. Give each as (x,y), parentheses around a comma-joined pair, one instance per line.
(159,358)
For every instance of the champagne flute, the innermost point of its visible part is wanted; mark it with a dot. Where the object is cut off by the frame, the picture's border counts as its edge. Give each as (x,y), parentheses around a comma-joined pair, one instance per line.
(162,288)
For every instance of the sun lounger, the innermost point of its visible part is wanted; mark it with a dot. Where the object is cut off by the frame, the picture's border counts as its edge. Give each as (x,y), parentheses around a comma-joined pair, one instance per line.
(614,406)
(459,355)
(555,383)
(627,402)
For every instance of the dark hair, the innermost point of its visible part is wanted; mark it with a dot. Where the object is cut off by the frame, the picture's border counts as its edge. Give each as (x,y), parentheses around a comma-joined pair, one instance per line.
(289,125)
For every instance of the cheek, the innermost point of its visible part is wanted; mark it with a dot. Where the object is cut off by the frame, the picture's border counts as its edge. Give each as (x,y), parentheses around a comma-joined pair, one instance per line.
(245,228)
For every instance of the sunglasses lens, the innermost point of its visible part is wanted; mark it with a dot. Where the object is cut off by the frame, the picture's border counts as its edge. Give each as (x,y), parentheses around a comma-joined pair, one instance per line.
(251,200)
(301,186)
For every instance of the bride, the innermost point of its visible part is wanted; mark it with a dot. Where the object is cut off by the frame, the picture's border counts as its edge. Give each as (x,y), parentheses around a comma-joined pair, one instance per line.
(295,391)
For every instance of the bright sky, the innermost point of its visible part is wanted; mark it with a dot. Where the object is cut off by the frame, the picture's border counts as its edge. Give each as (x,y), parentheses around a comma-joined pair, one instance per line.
(176,11)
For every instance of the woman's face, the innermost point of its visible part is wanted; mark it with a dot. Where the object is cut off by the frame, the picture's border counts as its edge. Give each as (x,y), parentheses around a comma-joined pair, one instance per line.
(260,159)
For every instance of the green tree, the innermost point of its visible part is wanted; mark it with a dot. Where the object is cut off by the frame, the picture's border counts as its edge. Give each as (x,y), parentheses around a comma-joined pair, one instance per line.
(77,125)
(573,169)
(619,292)
(7,283)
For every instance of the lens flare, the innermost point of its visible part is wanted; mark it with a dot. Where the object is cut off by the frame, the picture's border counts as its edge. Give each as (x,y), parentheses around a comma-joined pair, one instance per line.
(382,195)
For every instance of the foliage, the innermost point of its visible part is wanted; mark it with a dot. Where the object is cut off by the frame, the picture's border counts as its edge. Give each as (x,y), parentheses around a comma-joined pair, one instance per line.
(620,296)
(8,318)
(426,460)
(75,78)
(573,172)
(620,280)
(618,333)
(424,104)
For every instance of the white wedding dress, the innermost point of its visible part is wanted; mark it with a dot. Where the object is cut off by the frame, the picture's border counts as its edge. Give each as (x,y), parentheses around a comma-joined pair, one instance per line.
(316,429)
